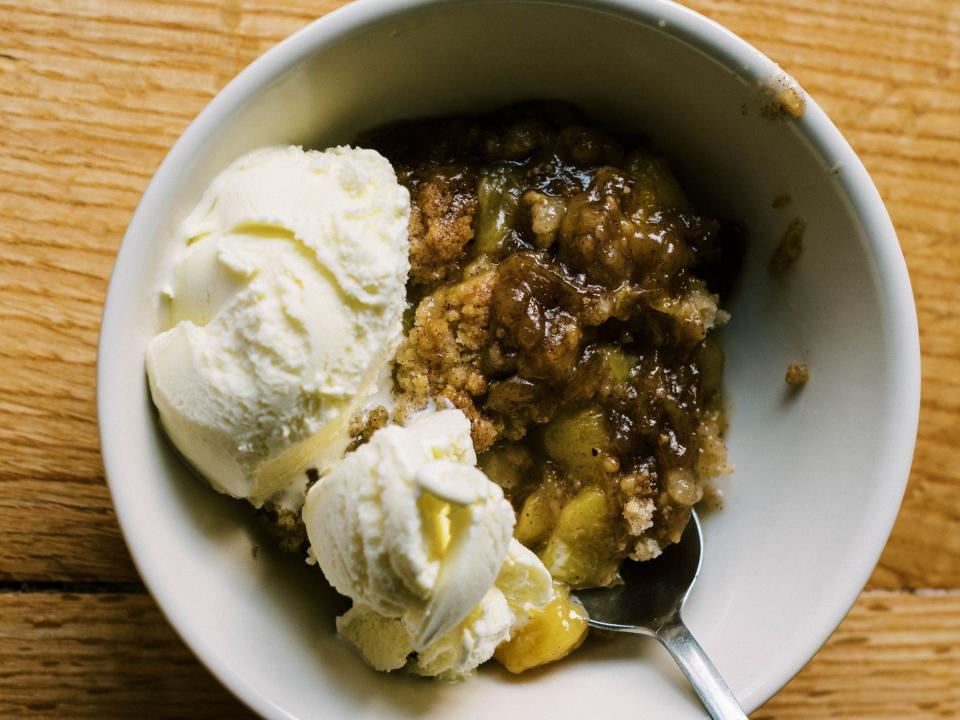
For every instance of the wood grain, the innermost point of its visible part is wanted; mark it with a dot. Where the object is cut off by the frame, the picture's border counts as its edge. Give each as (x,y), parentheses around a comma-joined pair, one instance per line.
(91,106)
(92,95)
(99,656)
(896,656)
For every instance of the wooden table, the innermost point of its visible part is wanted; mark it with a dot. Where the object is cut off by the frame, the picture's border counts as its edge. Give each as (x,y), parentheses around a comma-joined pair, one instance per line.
(94,92)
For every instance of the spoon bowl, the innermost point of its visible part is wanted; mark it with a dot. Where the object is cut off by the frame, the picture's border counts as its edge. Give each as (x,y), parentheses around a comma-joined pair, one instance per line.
(652,592)
(650,601)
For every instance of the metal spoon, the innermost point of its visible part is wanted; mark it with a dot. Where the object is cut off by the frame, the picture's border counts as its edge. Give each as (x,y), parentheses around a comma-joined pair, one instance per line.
(649,603)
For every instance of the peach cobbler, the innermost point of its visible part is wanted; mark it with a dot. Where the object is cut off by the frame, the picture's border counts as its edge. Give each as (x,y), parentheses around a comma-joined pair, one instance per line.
(462,367)
(562,292)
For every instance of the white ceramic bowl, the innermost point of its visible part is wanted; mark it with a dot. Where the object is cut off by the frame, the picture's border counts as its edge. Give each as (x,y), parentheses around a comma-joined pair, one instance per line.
(819,478)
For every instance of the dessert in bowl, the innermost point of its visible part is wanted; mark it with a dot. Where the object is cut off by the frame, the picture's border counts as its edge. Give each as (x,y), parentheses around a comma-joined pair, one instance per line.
(813,471)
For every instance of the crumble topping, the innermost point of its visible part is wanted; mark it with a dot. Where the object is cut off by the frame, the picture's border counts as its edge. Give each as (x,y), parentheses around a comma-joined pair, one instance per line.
(564,290)
(797,375)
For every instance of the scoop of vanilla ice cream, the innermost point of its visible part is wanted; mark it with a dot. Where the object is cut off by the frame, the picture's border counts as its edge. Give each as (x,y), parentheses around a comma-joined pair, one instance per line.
(384,642)
(420,539)
(522,586)
(285,304)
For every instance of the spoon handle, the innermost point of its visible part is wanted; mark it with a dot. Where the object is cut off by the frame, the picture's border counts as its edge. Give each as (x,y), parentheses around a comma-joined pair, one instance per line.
(713,691)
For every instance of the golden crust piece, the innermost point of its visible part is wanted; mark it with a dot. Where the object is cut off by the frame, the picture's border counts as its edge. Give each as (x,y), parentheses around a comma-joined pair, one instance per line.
(441,223)
(440,356)
(797,375)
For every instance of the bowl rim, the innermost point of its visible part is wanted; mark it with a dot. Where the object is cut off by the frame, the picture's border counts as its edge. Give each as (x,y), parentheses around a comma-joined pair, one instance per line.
(701,34)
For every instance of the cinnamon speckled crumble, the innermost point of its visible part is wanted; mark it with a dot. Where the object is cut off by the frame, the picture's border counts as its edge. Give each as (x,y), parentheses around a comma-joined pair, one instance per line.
(564,293)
